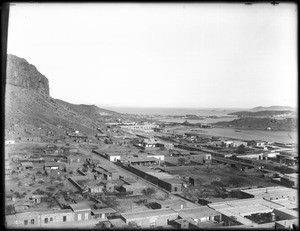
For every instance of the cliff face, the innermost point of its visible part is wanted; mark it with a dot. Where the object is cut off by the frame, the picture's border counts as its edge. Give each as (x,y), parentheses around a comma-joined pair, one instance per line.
(22,74)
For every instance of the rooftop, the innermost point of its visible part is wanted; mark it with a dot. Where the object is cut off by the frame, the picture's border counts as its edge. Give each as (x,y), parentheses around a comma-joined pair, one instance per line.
(107,168)
(149,213)
(140,159)
(198,212)
(104,210)
(261,192)
(80,207)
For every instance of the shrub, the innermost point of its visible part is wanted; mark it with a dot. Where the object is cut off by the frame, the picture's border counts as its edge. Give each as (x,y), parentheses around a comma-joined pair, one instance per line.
(148,191)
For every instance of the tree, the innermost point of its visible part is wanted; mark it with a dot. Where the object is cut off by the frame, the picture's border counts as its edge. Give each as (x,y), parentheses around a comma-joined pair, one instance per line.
(217,184)
(236,181)
(241,149)
(149,191)
(132,224)
(9,209)
(181,161)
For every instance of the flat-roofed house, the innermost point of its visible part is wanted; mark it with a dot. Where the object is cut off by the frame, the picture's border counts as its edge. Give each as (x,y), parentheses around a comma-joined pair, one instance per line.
(75,159)
(150,218)
(103,212)
(163,180)
(27,165)
(95,188)
(173,204)
(200,214)
(134,188)
(143,160)
(272,193)
(26,219)
(82,211)
(180,223)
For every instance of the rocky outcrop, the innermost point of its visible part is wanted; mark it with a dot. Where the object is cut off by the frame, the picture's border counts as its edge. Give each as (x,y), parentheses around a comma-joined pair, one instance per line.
(22,74)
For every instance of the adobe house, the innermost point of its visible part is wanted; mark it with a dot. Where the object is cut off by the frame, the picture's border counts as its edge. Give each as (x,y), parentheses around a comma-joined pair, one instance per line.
(150,218)
(95,188)
(30,219)
(103,213)
(200,214)
(82,211)
(31,139)
(173,204)
(134,188)
(75,159)
(110,187)
(53,166)
(21,207)
(180,224)
(26,166)
(37,199)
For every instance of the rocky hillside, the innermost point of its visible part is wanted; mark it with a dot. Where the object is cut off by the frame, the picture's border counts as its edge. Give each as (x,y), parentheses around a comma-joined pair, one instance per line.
(31,111)
(22,74)
(286,124)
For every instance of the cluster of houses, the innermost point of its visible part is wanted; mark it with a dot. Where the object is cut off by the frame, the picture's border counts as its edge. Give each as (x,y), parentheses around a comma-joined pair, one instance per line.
(271,207)
(277,204)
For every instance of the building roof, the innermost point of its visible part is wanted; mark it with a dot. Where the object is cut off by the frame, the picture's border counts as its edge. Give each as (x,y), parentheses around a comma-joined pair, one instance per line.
(128,180)
(140,159)
(133,186)
(27,164)
(149,214)
(196,213)
(241,208)
(80,207)
(52,164)
(268,191)
(74,157)
(104,210)
(107,168)
(172,202)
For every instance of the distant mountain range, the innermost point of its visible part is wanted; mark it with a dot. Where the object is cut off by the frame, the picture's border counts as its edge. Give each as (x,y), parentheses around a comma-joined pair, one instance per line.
(286,124)
(283,113)
(277,118)
(273,108)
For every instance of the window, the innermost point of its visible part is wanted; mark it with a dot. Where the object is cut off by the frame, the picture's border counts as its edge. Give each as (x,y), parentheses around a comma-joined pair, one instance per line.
(175,189)
(46,220)
(152,224)
(25,222)
(64,218)
(79,217)
(51,218)
(86,216)
(32,221)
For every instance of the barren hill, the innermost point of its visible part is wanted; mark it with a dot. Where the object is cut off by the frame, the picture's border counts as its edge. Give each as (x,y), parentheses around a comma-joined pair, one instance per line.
(21,73)
(31,111)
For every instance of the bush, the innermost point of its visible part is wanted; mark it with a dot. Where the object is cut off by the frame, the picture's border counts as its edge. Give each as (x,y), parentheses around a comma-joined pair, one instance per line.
(181,161)
(9,209)
(217,184)
(148,191)
(236,181)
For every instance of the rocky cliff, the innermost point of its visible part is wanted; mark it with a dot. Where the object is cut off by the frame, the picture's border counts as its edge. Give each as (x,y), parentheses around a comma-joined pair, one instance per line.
(22,74)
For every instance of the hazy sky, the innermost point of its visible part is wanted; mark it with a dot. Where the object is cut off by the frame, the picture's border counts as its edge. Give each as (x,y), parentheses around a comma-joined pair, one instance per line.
(164,55)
